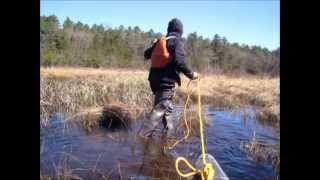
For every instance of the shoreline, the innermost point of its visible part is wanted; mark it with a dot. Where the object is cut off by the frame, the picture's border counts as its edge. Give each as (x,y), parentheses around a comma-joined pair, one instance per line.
(72,89)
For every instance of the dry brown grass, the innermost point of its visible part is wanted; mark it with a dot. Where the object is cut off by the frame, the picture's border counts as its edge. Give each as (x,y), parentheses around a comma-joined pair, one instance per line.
(262,152)
(192,119)
(112,116)
(63,170)
(262,92)
(71,90)
(81,71)
(89,93)
(74,89)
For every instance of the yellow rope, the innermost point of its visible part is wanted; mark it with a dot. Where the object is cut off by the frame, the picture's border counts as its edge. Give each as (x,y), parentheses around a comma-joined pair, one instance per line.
(185,118)
(207,173)
(192,173)
(201,126)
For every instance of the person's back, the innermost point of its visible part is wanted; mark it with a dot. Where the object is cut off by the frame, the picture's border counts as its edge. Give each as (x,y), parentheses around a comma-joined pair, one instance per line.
(162,79)
(166,77)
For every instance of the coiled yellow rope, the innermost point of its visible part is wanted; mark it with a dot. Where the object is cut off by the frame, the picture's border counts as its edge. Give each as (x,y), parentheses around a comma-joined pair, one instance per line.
(207,173)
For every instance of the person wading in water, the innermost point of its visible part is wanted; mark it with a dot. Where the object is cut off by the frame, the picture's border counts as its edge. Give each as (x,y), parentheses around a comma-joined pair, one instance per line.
(167,62)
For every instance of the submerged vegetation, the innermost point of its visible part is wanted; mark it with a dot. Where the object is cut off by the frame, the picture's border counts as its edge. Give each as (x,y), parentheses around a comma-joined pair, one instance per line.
(262,152)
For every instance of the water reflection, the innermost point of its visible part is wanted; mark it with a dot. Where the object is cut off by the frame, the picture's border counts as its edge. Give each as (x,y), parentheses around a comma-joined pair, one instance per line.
(66,147)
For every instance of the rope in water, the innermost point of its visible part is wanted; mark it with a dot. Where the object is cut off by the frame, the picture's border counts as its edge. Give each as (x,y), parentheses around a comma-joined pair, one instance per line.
(185,118)
(207,173)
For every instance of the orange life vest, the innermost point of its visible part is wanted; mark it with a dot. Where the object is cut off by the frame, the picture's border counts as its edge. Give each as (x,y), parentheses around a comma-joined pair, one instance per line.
(160,56)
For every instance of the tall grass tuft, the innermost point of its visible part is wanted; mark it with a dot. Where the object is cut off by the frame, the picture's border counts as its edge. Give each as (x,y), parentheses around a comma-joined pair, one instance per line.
(72,94)
(113,116)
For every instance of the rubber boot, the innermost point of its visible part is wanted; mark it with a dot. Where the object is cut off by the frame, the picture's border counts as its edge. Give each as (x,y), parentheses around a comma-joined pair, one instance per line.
(168,122)
(151,123)
(161,112)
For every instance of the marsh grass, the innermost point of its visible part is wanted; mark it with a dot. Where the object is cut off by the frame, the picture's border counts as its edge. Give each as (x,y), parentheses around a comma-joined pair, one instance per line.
(157,164)
(112,116)
(115,98)
(262,152)
(262,92)
(61,92)
(63,170)
(70,90)
(192,119)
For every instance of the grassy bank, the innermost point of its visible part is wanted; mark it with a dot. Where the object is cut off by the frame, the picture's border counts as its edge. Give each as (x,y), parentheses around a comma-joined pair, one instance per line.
(262,92)
(74,89)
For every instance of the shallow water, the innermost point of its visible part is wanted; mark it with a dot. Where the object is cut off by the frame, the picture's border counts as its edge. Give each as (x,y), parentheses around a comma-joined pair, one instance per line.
(106,153)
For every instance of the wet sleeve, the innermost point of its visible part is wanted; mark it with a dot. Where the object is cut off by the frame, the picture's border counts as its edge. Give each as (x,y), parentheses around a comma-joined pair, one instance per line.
(179,59)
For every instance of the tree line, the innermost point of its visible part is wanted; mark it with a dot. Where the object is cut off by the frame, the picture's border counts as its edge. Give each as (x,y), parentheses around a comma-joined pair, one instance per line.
(78,44)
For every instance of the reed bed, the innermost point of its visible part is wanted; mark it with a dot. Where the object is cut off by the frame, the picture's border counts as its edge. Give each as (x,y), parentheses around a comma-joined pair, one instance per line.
(71,90)
(105,96)
(224,91)
(262,152)
(113,116)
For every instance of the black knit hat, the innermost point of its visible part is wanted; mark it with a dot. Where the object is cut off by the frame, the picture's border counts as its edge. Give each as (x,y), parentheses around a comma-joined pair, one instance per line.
(175,25)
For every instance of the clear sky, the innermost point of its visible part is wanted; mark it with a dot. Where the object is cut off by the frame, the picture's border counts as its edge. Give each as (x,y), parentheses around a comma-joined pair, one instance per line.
(250,22)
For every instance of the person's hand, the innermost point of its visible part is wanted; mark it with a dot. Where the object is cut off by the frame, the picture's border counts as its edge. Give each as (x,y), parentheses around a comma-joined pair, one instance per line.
(195,76)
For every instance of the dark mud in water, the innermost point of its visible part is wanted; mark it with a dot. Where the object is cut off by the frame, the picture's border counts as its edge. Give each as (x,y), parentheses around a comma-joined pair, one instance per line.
(68,150)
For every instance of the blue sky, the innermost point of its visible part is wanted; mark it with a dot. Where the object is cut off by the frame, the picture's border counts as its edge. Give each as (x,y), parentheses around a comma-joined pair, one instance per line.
(250,22)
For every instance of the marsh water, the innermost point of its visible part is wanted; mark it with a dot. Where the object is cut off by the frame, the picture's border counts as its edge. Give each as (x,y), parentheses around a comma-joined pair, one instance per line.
(68,149)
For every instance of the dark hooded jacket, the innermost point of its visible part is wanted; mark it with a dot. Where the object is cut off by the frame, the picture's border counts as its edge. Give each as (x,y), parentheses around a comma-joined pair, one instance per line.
(166,77)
